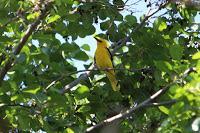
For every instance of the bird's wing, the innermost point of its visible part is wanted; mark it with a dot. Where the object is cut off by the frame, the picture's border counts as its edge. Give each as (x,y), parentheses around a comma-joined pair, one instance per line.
(110,54)
(111,57)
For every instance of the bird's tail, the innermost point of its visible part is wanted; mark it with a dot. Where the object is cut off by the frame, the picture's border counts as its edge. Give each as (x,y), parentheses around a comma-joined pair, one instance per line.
(114,83)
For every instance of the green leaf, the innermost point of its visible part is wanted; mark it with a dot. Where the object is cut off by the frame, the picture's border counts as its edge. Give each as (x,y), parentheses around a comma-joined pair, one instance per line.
(40,56)
(87,22)
(91,30)
(82,91)
(122,27)
(164,109)
(160,24)
(69,48)
(21,58)
(32,91)
(33,15)
(131,19)
(75,29)
(79,100)
(119,17)
(26,50)
(176,51)
(69,1)
(69,130)
(184,13)
(13,98)
(118,2)
(85,47)
(81,56)
(196,56)
(84,108)
(102,14)
(72,17)
(163,65)
(53,19)
(24,120)
(104,25)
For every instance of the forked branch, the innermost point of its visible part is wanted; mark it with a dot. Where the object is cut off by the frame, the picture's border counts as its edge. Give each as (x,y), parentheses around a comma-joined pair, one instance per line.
(31,28)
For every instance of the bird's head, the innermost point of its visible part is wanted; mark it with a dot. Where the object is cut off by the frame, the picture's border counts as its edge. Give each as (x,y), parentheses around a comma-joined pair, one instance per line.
(101,41)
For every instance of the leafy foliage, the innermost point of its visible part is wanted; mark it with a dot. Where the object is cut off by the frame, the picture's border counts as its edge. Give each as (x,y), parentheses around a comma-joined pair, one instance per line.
(164,47)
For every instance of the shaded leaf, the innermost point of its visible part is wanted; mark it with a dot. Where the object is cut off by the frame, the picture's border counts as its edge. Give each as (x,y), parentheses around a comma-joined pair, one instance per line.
(176,51)
(163,65)
(131,19)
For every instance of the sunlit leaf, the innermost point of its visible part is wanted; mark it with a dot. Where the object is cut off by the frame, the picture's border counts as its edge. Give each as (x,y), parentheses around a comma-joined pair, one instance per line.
(32,91)
(82,91)
(196,56)
(33,16)
(69,130)
(53,18)
(164,109)
(160,24)
(13,98)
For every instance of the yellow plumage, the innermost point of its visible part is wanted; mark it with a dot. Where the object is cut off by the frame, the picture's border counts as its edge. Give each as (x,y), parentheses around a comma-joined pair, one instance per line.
(103,60)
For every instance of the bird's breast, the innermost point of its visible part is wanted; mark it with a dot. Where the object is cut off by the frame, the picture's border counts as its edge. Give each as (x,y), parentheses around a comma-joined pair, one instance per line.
(103,58)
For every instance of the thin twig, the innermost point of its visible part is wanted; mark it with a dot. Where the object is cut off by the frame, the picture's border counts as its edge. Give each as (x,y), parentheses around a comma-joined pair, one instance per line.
(69,74)
(162,103)
(95,69)
(14,105)
(135,3)
(75,82)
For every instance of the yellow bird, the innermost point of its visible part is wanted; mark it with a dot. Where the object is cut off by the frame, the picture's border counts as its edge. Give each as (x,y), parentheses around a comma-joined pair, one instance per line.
(103,60)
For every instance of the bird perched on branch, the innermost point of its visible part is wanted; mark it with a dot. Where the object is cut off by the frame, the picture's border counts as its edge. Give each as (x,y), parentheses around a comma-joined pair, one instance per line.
(103,60)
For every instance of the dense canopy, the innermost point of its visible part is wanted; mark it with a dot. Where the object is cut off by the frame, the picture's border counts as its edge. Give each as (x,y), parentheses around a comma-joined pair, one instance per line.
(155,44)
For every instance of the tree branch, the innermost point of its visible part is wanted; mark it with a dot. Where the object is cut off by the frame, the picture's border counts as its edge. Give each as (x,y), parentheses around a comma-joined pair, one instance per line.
(131,110)
(162,103)
(146,103)
(14,105)
(22,42)
(90,70)
(75,82)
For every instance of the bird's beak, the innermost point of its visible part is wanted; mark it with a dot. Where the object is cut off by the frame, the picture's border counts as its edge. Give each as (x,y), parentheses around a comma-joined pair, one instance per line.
(98,40)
